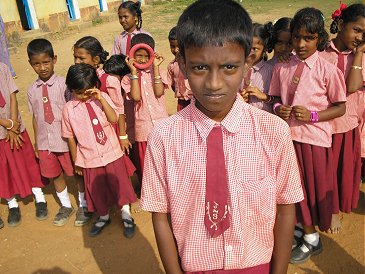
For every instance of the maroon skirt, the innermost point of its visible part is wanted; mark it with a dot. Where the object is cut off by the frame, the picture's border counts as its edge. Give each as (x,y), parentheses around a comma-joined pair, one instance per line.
(260,269)
(316,167)
(107,186)
(347,166)
(19,169)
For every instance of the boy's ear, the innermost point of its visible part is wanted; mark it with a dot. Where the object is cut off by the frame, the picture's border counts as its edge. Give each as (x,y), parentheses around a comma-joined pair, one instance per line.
(55,59)
(96,60)
(250,58)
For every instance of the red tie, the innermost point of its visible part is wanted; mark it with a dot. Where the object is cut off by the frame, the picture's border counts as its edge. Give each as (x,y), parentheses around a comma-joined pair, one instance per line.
(128,48)
(216,217)
(295,81)
(48,114)
(341,62)
(97,128)
(2,100)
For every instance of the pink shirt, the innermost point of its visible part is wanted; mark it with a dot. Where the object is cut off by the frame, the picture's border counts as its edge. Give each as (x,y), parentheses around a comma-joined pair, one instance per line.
(7,87)
(150,109)
(114,88)
(350,119)
(49,135)
(76,123)
(260,78)
(321,84)
(120,42)
(262,173)
(174,76)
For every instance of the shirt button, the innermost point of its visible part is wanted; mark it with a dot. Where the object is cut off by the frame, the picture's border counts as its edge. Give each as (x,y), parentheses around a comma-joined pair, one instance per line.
(229,248)
(149,106)
(146,93)
(144,82)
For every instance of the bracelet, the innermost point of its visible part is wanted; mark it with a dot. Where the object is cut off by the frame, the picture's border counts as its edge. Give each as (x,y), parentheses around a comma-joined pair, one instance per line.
(12,124)
(269,100)
(276,105)
(314,116)
(157,77)
(157,82)
(356,67)
(123,137)
(133,77)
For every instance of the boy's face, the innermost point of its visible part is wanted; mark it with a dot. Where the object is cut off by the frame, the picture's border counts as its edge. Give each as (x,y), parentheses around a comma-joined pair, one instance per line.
(304,43)
(43,65)
(141,56)
(215,75)
(174,47)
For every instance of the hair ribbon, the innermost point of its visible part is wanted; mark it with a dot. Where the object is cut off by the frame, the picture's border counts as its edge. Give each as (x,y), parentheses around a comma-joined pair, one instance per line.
(337,13)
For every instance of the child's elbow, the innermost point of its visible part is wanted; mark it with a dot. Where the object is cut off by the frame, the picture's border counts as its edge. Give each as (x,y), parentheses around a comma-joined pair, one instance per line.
(136,98)
(341,109)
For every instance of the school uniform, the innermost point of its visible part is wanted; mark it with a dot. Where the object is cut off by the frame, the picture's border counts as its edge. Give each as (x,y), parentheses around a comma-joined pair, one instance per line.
(54,156)
(320,85)
(120,42)
(177,82)
(147,112)
(18,167)
(262,173)
(346,142)
(259,76)
(105,174)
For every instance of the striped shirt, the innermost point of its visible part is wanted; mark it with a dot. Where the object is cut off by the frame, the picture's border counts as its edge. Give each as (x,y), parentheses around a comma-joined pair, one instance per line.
(120,42)
(7,87)
(351,118)
(321,84)
(76,123)
(49,135)
(262,173)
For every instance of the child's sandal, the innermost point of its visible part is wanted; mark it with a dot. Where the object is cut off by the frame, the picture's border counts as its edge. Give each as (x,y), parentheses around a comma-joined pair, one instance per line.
(129,228)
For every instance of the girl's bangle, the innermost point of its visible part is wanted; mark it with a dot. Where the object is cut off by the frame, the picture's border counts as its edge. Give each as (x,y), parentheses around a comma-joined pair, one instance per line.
(356,67)
(12,124)
(123,137)
(314,116)
(276,105)
(157,77)
(157,82)
(269,99)
(133,77)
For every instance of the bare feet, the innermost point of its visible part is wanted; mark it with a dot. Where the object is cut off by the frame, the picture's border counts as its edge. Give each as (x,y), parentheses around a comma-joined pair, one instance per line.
(336,224)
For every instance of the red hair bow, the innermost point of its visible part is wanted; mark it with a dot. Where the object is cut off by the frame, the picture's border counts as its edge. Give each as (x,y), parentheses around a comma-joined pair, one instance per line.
(337,13)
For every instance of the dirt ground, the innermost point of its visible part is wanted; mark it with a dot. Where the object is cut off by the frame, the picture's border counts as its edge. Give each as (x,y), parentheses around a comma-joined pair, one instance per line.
(40,247)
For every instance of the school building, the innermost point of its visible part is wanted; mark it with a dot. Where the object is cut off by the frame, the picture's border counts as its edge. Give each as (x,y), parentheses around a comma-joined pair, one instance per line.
(50,15)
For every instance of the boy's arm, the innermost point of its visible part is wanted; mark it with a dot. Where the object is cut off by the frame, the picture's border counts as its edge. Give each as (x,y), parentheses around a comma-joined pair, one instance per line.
(166,242)
(72,145)
(283,235)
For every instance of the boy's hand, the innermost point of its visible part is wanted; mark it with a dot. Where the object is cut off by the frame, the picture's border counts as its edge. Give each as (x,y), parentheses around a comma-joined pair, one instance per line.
(158,60)
(284,111)
(94,92)
(14,139)
(244,95)
(302,114)
(130,64)
(254,91)
(125,145)
(78,170)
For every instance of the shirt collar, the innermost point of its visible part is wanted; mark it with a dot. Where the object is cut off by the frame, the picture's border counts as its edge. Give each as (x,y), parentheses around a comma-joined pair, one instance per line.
(49,83)
(310,61)
(259,65)
(230,123)
(125,33)
(332,46)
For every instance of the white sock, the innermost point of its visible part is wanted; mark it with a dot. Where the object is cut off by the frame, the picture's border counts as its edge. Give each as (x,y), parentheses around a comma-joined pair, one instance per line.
(39,195)
(312,239)
(82,199)
(12,202)
(105,218)
(126,212)
(64,198)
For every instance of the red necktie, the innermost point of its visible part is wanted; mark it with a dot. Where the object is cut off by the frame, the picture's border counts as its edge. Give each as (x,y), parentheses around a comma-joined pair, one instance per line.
(48,114)
(216,217)
(128,47)
(2,100)
(341,62)
(295,81)
(97,128)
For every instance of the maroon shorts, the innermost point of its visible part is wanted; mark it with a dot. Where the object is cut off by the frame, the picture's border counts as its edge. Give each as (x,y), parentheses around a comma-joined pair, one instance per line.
(53,163)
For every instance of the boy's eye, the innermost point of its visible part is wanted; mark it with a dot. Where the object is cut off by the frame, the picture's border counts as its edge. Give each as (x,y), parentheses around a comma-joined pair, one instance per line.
(229,67)
(200,67)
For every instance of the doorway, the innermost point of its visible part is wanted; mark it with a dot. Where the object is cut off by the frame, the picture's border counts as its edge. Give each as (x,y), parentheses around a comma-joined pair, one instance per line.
(27,14)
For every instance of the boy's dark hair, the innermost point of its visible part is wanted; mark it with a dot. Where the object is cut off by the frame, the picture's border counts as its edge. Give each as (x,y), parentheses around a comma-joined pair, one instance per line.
(81,76)
(135,9)
(172,34)
(143,38)
(213,23)
(312,20)
(348,15)
(93,46)
(39,46)
(283,24)
(263,32)
(116,65)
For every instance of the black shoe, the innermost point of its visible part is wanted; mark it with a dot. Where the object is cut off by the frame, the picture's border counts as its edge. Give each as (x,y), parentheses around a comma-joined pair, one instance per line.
(129,228)
(96,230)
(82,216)
(1,223)
(298,256)
(41,211)
(14,216)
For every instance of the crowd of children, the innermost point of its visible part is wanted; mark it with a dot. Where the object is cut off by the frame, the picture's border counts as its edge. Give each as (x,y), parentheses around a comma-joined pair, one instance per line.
(260,154)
